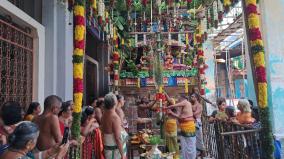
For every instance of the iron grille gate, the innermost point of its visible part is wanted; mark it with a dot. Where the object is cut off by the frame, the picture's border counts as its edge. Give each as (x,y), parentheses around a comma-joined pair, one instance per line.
(16,64)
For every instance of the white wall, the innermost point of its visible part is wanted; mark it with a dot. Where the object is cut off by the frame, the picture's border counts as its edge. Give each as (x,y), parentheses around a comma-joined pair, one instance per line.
(39,40)
(272,14)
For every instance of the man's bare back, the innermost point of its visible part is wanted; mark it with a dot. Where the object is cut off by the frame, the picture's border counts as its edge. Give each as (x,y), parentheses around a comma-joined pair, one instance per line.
(50,134)
(108,120)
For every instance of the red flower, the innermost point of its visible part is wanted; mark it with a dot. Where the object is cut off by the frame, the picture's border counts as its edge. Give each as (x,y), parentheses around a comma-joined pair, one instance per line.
(115,57)
(78,85)
(201,71)
(260,74)
(198,39)
(160,96)
(254,34)
(189,1)
(202,91)
(116,77)
(200,53)
(144,2)
(251,9)
(80,44)
(79,20)
(100,20)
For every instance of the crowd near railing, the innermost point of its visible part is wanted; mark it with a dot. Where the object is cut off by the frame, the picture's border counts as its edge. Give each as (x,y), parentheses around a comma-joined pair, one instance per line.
(224,140)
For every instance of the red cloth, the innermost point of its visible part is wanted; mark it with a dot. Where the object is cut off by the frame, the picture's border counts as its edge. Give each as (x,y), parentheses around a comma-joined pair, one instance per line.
(93,146)
(62,126)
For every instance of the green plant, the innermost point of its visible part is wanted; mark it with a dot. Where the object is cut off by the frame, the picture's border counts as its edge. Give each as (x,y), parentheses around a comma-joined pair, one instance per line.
(155,140)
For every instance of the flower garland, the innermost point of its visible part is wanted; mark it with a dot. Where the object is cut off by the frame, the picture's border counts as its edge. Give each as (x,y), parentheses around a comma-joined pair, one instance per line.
(78,67)
(257,49)
(115,60)
(200,57)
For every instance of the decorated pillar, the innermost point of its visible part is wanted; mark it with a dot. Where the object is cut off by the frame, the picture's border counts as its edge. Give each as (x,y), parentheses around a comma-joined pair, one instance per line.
(257,56)
(78,64)
(200,59)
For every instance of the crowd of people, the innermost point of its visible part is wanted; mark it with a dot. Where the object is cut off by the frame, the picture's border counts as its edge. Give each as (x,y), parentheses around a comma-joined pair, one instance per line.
(37,134)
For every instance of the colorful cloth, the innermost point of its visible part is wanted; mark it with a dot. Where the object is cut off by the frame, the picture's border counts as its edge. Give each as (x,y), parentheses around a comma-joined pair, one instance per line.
(188,140)
(199,135)
(245,118)
(29,117)
(93,146)
(188,147)
(111,149)
(171,136)
(187,128)
(99,147)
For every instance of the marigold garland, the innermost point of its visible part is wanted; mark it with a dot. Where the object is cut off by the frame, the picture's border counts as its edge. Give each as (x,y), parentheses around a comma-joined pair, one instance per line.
(79,32)
(78,66)
(257,50)
(259,60)
(200,59)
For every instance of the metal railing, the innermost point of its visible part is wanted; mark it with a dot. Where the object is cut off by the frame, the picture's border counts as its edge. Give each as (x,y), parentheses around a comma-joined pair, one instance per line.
(224,140)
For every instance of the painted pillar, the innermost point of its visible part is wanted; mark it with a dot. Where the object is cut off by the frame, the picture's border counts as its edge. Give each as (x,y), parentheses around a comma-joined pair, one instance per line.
(210,90)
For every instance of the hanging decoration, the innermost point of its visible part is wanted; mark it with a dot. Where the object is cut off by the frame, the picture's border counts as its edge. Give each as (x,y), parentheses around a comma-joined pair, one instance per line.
(78,66)
(200,58)
(220,10)
(257,49)
(115,60)
(94,5)
(215,14)
(227,4)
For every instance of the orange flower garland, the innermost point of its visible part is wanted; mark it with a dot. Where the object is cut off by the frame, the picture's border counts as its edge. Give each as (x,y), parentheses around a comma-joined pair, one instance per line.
(78,66)
(201,59)
(257,49)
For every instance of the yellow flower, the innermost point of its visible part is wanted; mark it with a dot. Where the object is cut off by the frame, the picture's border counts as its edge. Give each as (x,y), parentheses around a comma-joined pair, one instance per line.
(79,10)
(262,95)
(106,14)
(253,21)
(253,2)
(161,89)
(79,32)
(256,42)
(94,4)
(259,59)
(78,51)
(227,2)
(78,98)
(78,70)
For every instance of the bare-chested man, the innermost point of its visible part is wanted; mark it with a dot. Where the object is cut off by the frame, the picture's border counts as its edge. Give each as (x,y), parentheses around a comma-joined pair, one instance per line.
(187,126)
(114,136)
(144,113)
(48,124)
(197,112)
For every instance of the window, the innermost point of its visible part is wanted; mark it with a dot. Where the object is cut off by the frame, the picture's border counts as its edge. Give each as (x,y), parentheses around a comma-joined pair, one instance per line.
(16,64)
